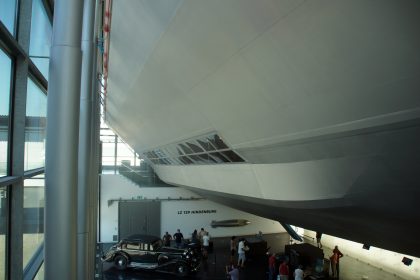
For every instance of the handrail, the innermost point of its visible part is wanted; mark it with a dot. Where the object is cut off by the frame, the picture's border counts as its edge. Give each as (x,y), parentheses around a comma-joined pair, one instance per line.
(9,180)
(33,172)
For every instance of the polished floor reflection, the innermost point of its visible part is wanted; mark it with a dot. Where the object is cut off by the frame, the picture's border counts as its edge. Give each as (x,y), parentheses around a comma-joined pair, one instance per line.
(256,269)
(212,268)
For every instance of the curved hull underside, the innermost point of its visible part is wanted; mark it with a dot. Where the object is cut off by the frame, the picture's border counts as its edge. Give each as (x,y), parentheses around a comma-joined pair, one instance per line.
(313,108)
(369,193)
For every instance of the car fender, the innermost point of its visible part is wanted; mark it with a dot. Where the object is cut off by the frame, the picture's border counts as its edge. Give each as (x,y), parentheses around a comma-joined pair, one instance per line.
(164,258)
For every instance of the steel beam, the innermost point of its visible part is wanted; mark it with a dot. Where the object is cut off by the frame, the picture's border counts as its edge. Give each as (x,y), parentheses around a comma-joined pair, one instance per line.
(15,234)
(85,140)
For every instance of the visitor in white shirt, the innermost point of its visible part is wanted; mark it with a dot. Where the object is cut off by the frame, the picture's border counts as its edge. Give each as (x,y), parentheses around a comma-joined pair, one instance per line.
(299,275)
(206,244)
(241,253)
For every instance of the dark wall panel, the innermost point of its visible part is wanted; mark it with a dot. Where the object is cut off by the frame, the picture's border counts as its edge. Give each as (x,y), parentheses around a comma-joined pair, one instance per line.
(139,218)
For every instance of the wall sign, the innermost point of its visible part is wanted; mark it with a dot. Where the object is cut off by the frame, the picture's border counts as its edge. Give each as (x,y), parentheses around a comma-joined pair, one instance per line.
(185,212)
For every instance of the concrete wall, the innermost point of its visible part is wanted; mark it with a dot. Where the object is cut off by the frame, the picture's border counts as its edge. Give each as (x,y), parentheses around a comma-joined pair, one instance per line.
(183,214)
(386,260)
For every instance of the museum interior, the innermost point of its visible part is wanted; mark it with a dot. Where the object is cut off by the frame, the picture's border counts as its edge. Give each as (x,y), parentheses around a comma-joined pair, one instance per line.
(196,139)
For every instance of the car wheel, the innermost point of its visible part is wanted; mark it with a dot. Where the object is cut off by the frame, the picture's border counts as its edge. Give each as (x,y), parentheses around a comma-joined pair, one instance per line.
(162,259)
(181,269)
(121,262)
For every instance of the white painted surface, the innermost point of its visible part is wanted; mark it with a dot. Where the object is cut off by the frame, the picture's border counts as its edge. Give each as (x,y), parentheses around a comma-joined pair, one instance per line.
(117,186)
(259,71)
(296,181)
(171,220)
(383,259)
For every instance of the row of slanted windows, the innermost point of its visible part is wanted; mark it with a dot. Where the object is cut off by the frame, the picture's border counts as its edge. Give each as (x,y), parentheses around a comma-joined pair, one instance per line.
(209,149)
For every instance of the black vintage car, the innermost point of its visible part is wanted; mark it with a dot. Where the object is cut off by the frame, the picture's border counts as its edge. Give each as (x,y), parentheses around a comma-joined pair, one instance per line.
(148,252)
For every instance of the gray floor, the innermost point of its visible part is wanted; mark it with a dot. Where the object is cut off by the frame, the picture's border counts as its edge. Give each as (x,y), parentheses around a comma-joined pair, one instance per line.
(352,269)
(214,267)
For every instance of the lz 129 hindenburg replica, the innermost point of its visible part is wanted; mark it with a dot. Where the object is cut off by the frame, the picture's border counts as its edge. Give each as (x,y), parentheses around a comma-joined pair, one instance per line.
(305,112)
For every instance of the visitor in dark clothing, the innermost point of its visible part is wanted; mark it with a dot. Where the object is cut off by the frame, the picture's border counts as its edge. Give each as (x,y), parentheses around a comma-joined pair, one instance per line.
(340,255)
(178,238)
(167,239)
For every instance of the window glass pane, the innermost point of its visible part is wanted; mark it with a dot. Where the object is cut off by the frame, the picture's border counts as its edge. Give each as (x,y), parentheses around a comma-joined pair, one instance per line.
(107,138)
(126,161)
(185,149)
(108,150)
(41,30)
(40,274)
(219,157)
(206,145)
(33,216)
(234,157)
(8,14)
(217,142)
(206,158)
(186,160)
(3,224)
(35,122)
(124,150)
(5,79)
(194,147)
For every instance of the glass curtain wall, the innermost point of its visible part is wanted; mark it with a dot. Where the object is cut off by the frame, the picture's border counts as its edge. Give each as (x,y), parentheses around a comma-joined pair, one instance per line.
(8,14)
(5,84)
(33,216)
(31,158)
(116,153)
(40,273)
(35,126)
(41,30)
(3,228)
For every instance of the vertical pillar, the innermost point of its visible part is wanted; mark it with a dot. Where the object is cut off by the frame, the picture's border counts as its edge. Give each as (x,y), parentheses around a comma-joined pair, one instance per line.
(15,270)
(95,146)
(85,141)
(62,142)
(115,153)
(93,210)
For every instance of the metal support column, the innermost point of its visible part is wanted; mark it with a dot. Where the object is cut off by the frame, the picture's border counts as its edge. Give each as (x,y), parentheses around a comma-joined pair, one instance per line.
(93,205)
(85,135)
(115,153)
(62,142)
(15,235)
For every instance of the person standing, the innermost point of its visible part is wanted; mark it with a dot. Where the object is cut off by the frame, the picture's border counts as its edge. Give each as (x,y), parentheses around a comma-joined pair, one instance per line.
(241,253)
(206,244)
(334,261)
(178,238)
(167,239)
(318,239)
(339,255)
(284,271)
(201,234)
(271,266)
(299,275)
(232,249)
(194,237)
